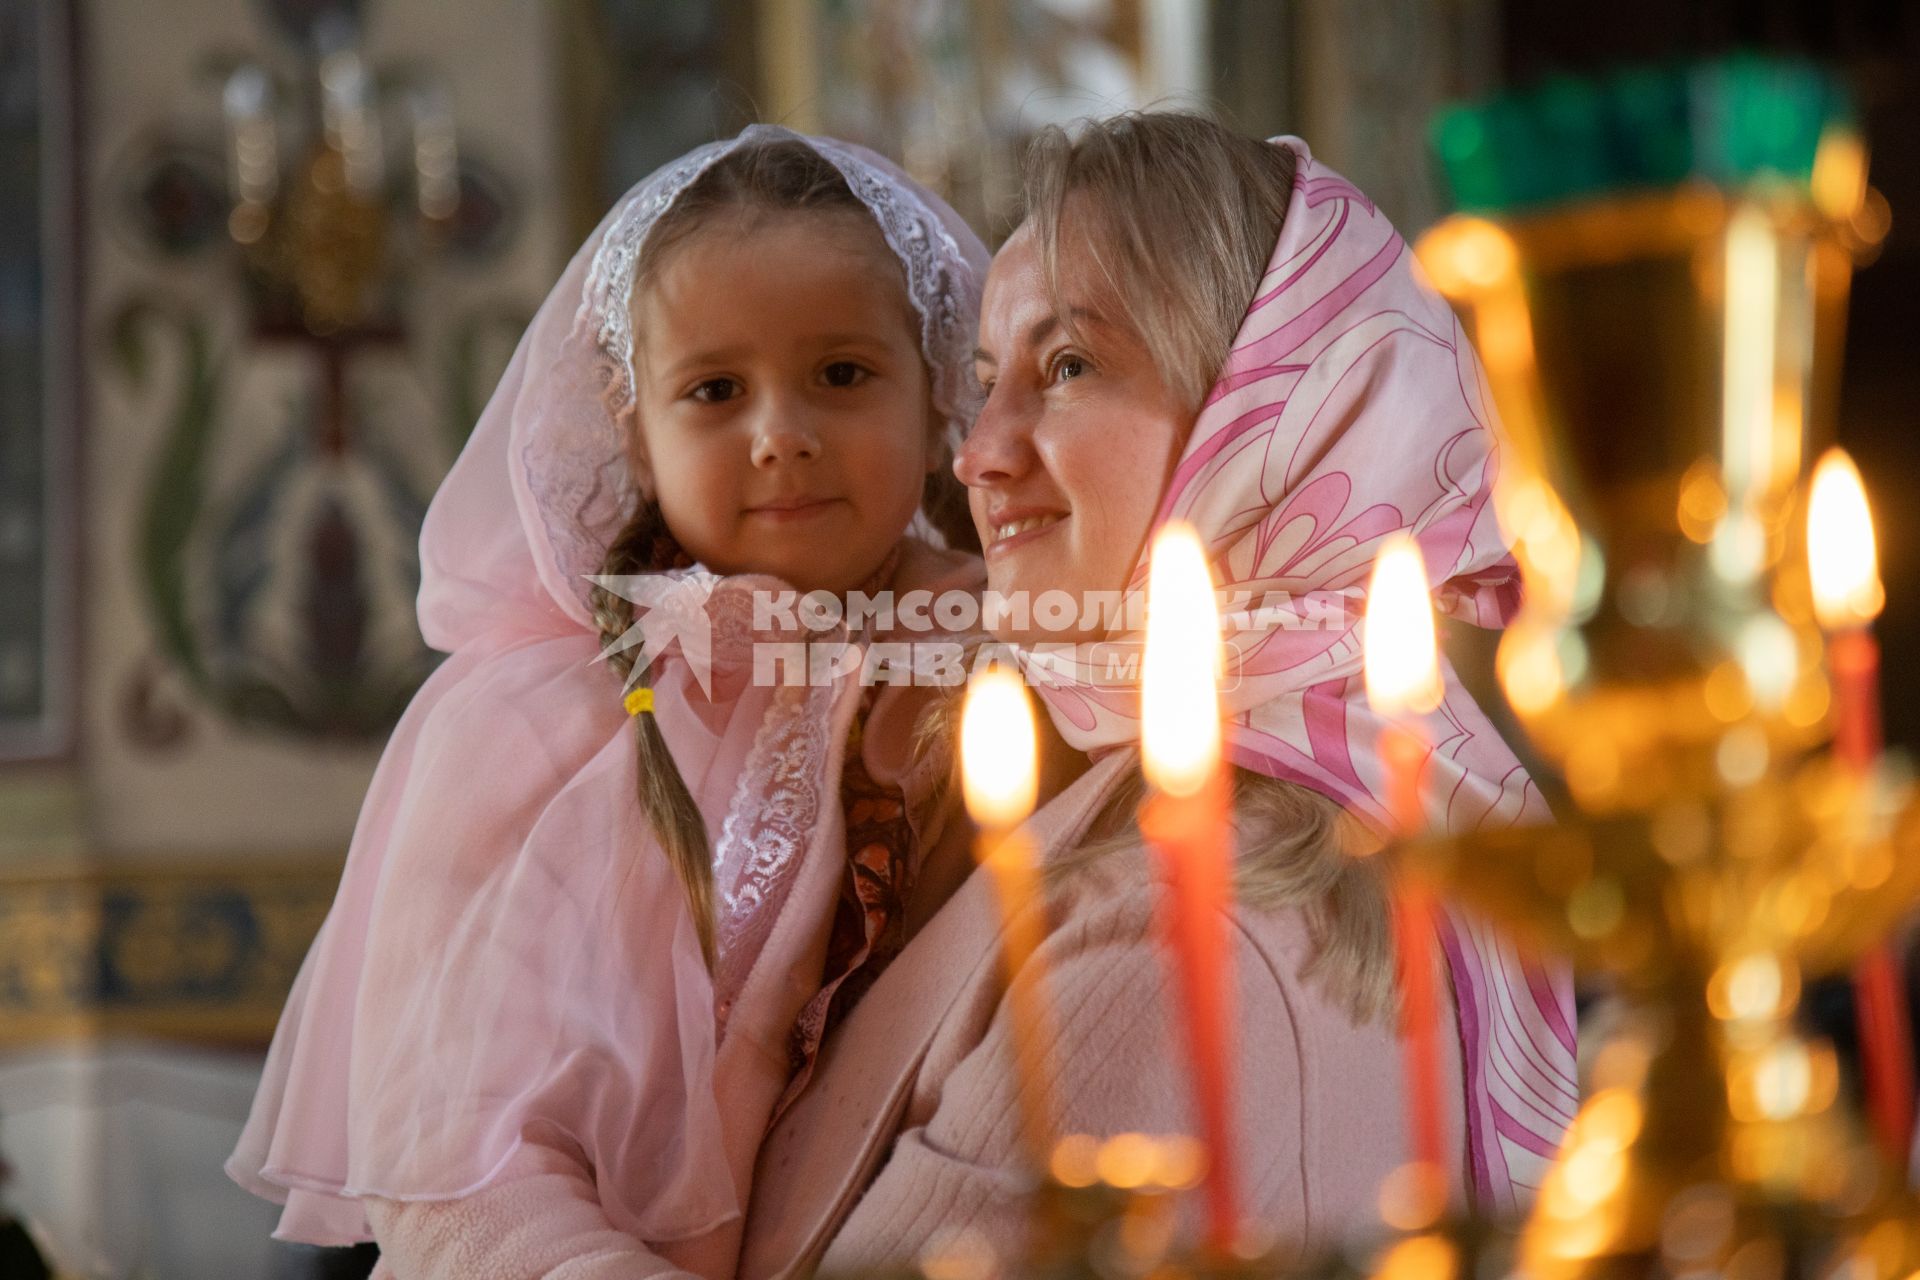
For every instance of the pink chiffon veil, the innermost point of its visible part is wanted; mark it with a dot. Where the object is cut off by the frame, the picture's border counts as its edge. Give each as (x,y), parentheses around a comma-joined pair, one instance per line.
(1353,407)
(507,955)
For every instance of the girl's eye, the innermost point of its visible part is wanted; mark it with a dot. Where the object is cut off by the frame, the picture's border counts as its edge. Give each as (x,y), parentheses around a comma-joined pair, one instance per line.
(1066,366)
(844,373)
(716,390)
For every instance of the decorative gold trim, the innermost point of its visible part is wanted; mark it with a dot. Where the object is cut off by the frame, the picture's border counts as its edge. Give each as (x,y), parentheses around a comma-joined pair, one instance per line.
(203,950)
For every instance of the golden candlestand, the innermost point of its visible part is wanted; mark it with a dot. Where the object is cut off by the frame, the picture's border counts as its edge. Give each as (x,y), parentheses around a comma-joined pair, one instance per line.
(1664,366)
(1707,914)
(1665,362)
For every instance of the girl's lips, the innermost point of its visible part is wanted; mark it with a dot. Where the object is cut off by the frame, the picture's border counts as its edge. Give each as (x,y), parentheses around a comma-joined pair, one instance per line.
(1001,546)
(787,513)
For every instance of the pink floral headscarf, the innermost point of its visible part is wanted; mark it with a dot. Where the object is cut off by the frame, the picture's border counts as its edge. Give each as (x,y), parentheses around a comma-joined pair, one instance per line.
(1353,407)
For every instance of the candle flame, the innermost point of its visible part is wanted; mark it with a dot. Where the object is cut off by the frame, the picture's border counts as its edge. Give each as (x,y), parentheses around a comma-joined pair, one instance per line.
(997,750)
(1402,666)
(1840,546)
(1180,672)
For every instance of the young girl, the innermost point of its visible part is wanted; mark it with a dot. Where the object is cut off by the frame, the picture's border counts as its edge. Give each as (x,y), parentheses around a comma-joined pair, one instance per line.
(570,920)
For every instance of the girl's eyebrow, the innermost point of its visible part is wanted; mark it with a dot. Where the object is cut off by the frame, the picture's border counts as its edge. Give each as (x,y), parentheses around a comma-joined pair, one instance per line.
(738,350)
(717,355)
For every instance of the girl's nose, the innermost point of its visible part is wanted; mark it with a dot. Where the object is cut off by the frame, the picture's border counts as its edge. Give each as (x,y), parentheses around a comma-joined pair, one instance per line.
(785,434)
(998,447)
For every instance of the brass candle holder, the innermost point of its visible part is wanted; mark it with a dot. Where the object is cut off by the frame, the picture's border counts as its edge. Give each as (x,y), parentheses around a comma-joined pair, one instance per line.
(1665,362)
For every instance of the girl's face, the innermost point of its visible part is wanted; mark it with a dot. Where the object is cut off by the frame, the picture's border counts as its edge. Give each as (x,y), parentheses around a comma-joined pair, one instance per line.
(784,408)
(1067,462)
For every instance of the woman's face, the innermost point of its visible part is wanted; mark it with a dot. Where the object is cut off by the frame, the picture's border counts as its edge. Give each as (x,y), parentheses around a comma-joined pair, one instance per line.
(1074,446)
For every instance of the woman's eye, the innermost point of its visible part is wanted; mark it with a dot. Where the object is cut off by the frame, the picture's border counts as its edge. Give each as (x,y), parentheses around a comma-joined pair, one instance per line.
(716,390)
(1067,366)
(844,373)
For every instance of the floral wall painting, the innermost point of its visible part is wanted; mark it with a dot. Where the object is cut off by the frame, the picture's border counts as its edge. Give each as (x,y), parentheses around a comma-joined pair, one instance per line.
(313,232)
(285,599)
(298,419)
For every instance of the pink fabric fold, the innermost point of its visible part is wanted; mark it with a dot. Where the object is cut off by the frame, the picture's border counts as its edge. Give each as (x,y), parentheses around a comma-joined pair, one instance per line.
(1353,407)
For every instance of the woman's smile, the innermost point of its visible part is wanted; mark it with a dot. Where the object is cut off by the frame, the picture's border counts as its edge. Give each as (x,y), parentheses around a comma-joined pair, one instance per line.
(1013,529)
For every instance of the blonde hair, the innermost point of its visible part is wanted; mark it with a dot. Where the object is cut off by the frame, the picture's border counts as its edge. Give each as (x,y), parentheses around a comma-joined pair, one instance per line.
(1179,216)
(785,177)
(1176,214)
(1298,849)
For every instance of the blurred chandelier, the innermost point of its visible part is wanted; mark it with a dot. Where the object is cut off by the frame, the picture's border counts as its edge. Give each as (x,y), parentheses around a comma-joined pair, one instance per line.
(317,197)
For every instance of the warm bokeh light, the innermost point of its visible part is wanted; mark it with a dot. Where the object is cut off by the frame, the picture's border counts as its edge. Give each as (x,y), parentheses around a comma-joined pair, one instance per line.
(1402,666)
(1464,255)
(1545,538)
(997,750)
(1179,674)
(1529,668)
(1840,173)
(1073,1163)
(1840,546)
(1748,355)
(1127,1160)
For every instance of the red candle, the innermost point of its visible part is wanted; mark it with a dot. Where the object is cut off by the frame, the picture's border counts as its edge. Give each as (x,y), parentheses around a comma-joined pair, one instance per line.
(1413,936)
(1187,823)
(1186,833)
(1853,664)
(1403,677)
(1403,748)
(1847,596)
(999,780)
(1405,751)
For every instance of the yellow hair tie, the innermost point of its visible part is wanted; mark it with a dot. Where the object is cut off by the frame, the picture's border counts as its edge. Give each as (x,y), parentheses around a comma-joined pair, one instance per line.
(639,700)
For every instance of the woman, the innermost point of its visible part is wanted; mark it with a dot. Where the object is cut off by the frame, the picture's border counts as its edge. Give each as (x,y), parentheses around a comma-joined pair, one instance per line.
(1350,406)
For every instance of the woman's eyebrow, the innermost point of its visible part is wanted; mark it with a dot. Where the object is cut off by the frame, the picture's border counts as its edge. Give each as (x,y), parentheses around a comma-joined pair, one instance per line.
(1037,330)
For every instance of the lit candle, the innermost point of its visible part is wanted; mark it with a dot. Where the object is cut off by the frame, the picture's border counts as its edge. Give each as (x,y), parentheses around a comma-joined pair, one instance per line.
(1847,596)
(253,158)
(351,119)
(1403,678)
(999,779)
(1186,822)
(436,154)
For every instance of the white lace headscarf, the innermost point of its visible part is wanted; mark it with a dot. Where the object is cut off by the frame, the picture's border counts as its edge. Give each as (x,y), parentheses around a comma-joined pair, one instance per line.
(493,959)
(575,482)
